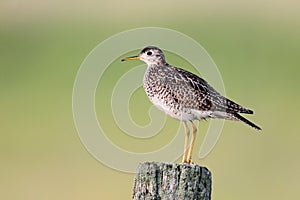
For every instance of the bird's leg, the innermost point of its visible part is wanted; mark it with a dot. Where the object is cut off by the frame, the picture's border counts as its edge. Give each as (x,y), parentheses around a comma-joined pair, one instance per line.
(186,142)
(194,131)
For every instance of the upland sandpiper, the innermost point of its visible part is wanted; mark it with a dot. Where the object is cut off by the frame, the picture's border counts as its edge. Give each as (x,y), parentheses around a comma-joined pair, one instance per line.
(185,96)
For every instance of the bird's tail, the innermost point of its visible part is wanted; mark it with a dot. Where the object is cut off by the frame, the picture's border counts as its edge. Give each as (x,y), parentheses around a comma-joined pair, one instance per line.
(236,116)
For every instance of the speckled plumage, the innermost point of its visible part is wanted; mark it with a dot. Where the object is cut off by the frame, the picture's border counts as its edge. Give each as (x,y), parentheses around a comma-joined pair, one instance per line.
(182,94)
(185,96)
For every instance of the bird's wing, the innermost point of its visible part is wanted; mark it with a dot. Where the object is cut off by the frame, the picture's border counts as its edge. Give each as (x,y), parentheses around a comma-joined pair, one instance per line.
(210,99)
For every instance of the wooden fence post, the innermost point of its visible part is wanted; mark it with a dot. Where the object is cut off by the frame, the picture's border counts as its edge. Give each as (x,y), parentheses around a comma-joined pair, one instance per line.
(162,181)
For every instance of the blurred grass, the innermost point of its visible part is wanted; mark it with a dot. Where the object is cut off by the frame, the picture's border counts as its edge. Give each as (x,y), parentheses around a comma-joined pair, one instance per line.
(255,48)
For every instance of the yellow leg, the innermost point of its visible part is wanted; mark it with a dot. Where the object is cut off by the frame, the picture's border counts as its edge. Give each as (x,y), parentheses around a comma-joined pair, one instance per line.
(186,141)
(194,131)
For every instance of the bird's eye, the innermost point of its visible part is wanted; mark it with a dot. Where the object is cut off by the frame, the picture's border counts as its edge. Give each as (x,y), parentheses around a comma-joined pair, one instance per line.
(149,53)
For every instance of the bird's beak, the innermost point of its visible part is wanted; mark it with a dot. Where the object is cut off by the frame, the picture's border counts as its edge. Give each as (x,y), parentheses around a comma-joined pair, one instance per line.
(131,58)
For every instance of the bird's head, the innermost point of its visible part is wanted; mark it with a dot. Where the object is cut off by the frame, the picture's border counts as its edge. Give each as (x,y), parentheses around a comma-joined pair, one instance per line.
(150,55)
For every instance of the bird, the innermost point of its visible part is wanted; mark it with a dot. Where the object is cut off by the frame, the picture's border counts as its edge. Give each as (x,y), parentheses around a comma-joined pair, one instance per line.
(185,96)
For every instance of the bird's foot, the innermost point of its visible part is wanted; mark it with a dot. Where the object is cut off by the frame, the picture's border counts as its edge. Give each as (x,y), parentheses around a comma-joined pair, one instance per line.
(191,162)
(187,162)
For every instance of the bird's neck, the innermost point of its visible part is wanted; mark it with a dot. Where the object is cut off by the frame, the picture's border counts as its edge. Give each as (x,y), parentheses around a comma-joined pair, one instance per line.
(157,64)
(155,72)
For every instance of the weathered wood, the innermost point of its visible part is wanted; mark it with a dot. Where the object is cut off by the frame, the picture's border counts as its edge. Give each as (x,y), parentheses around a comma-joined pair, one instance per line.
(163,181)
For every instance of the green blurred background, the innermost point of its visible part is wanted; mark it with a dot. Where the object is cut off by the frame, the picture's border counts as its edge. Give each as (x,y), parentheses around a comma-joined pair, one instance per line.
(255,44)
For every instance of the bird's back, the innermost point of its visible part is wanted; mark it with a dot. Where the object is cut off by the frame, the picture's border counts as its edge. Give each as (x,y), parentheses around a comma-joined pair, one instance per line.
(183,95)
